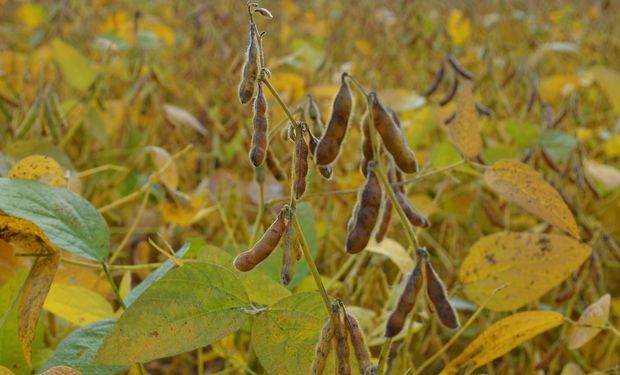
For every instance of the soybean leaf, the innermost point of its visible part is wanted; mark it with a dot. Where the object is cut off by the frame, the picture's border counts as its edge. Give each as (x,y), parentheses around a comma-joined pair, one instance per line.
(284,336)
(76,69)
(465,132)
(395,251)
(524,186)
(79,348)
(69,221)
(502,337)
(595,315)
(558,144)
(190,307)
(528,265)
(77,304)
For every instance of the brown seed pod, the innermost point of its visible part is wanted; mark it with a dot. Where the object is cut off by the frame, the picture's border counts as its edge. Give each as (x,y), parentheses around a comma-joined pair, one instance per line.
(483,110)
(386,219)
(371,370)
(448,120)
(314,115)
(324,346)
(450,94)
(291,252)
(325,170)
(393,137)
(249,74)
(405,304)
(414,216)
(274,166)
(436,81)
(258,151)
(357,340)
(301,163)
(329,146)
(343,366)
(437,298)
(261,250)
(264,12)
(366,213)
(460,69)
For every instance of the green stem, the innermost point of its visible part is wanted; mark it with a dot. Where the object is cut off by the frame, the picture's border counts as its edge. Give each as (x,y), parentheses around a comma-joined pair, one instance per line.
(383,356)
(108,275)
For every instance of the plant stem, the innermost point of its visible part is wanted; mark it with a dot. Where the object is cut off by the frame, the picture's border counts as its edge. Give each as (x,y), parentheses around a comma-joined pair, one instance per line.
(120,267)
(260,180)
(108,275)
(383,356)
(131,230)
(313,270)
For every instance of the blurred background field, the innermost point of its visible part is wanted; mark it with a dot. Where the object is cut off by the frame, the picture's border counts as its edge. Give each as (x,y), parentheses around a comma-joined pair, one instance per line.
(111,89)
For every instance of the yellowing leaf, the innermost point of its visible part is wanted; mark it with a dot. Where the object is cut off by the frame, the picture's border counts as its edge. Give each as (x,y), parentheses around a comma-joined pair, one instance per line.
(528,265)
(612,146)
(180,117)
(291,85)
(554,87)
(125,286)
(465,132)
(33,241)
(76,69)
(31,15)
(502,337)
(395,251)
(161,157)
(458,27)
(609,81)
(77,304)
(607,175)
(185,212)
(572,369)
(595,315)
(524,186)
(5,371)
(40,168)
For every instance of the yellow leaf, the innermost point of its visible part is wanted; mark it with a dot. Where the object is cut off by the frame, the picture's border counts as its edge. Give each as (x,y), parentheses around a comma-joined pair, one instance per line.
(465,132)
(595,315)
(160,157)
(572,369)
(609,81)
(528,265)
(5,371)
(607,175)
(40,168)
(31,15)
(459,27)
(612,146)
(502,337)
(125,286)
(557,86)
(61,370)
(76,69)
(395,251)
(291,85)
(524,186)
(77,304)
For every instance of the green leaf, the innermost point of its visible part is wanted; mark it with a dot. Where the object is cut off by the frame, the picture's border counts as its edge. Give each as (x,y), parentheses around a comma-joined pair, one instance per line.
(525,134)
(68,220)
(190,307)
(260,287)
(558,144)
(156,275)
(498,152)
(76,69)
(443,154)
(79,348)
(284,337)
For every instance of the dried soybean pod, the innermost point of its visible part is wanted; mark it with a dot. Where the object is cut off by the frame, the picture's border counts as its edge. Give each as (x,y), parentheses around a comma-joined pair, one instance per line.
(437,298)
(290,251)
(393,137)
(325,170)
(386,219)
(314,114)
(414,216)
(324,346)
(329,146)
(249,74)
(258,151)
(301,163)
(483,110)
(371,370)
(397,318)
(451,92)
(343,366)
(261,250)
(460,69)
(436,81)
(274,166)
(365,216)
(358,342)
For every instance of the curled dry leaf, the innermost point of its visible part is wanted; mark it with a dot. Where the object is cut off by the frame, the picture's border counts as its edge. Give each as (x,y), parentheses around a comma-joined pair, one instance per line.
(465,132)
(522,185)
(170,176)
(180,117)
(595,315)
(526,265)
(502,337)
